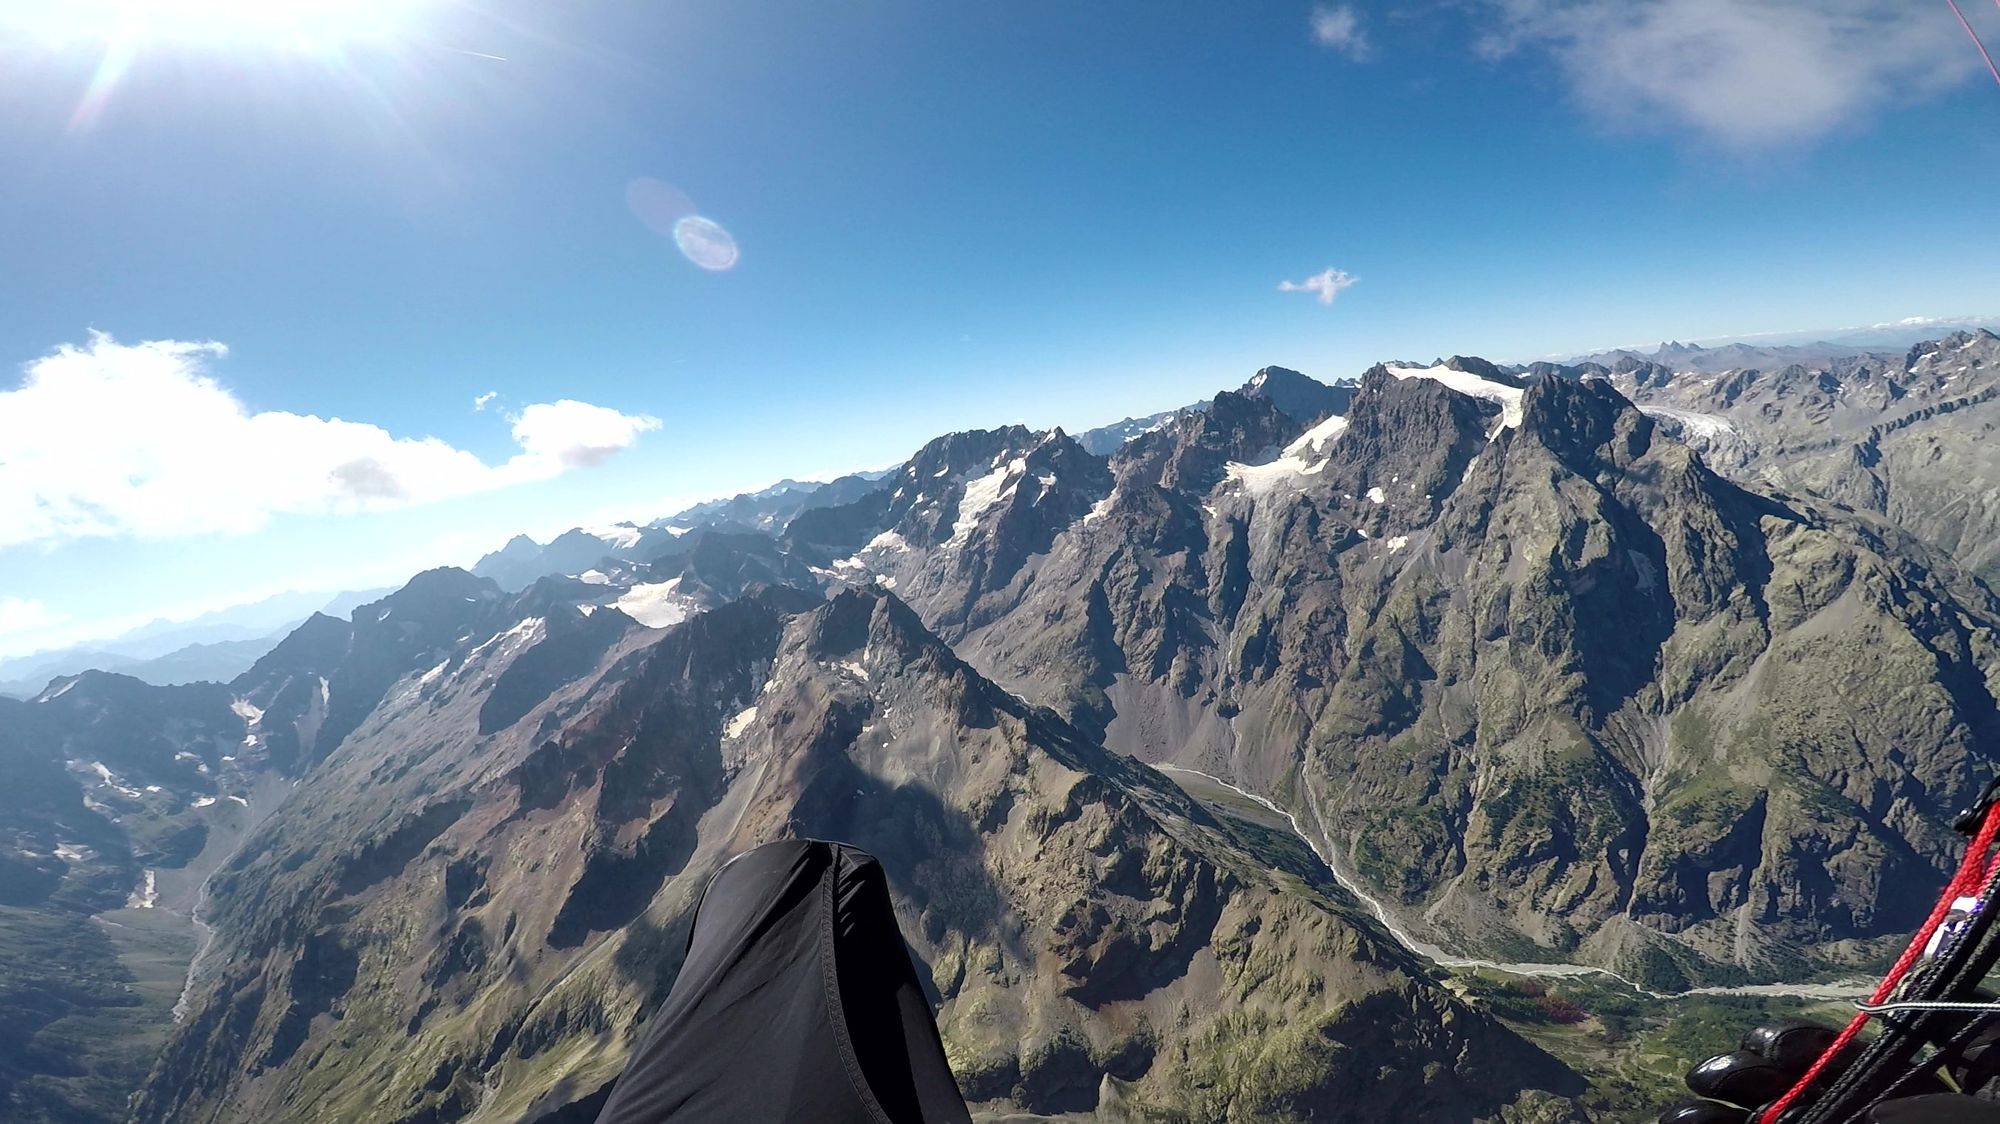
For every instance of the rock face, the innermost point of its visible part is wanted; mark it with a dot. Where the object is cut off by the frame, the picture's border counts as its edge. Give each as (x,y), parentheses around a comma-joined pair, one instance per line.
(443,924)
(1304,400)
(1549,683)
(1906,437)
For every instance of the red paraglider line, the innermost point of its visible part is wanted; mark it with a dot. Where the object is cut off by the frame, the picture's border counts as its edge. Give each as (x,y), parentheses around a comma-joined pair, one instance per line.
(1967,25)
(1973,873)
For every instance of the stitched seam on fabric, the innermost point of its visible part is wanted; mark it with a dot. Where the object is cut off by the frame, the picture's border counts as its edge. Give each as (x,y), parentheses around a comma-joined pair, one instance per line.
(830,982)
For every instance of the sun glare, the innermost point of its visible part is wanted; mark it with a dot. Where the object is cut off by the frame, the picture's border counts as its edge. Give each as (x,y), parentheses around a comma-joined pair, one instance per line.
(309,25)
(120,31)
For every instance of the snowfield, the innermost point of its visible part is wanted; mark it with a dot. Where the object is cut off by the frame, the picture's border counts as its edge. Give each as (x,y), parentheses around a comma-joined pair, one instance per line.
(657,605)
(1509,397)
(1693,422)
(1303,457)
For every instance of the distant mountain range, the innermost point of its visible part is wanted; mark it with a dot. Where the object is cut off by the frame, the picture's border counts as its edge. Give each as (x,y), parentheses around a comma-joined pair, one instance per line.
(1637,666)
(1784,349)
(214,647)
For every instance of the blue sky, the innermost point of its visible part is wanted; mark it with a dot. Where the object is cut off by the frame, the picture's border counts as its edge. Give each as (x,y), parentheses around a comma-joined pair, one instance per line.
(943,216)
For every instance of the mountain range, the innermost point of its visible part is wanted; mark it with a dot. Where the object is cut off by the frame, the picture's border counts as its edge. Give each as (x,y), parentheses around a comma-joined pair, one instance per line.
(1674,673)
(214,647)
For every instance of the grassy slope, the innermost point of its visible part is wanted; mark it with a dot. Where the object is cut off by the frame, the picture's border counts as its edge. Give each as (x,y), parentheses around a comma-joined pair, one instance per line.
(83,1006)
(1634,1050)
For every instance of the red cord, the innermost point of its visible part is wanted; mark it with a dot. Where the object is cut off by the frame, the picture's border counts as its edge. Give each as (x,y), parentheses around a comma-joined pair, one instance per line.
(1970,880)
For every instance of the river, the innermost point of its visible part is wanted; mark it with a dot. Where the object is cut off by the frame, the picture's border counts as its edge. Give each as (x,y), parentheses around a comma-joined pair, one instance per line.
(1844,989)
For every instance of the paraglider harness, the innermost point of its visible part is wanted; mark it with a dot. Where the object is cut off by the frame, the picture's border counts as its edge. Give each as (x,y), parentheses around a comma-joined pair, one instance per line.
(1928,1004)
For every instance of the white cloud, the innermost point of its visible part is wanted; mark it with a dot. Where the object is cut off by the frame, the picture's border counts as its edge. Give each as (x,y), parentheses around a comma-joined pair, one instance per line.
(109,439)
(1338,28)
(1327,283)
(19,614)
(1747,73)
(566,434)
(485,400)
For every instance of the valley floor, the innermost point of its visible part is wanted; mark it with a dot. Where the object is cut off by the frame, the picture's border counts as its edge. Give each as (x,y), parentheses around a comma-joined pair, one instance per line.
(1633,1045)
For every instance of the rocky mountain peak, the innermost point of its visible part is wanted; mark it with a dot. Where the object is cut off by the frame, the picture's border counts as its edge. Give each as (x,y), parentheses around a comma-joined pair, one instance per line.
(1491,372)
(863,637)
(841,627)
(722,565)
(1976,347)
(1587,425)
(430,591)
(1303,399)
(316,646)
(1193,451)
(966,451)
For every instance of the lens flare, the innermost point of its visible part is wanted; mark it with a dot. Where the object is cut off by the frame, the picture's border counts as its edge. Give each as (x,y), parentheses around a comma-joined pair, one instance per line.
(119,51)
(705,242)
(657,204)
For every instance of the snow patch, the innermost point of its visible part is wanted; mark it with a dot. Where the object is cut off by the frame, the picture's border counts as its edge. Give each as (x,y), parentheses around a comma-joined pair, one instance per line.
(1317,440)
(1376,495)
(594,577)
(888,542)
(240,800)
(1399,542)
(1100,509)
(74,853)
(1509,397)
(247,710)
(1693,422)
(147,895)
(1306,456)
(511,640)
(59,692)
(1260,478)
(203,802)
(618,536)
(854,668)
(735,726)
(982,495)
(656,605)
